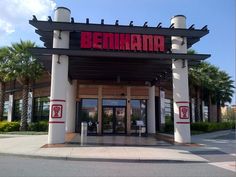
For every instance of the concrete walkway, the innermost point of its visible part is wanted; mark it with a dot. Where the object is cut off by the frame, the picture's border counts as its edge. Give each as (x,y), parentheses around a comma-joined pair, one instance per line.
(35,146)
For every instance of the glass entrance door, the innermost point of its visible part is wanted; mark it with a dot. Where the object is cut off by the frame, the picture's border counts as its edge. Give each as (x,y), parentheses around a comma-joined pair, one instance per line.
(107,120)
(114,119)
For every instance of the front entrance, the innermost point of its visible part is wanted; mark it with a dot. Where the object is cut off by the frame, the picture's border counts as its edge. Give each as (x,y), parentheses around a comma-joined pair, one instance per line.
(114,119)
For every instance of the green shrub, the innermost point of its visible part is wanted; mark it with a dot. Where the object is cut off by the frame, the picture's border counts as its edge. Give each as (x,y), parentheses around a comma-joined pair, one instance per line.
(9,126)
(41,126)
(169,127)
(210,127)
(202,126)
(199,126)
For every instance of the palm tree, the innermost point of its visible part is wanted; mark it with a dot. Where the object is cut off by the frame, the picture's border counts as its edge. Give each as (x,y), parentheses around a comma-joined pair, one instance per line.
(195,83)
(4,57)
(223,91)
(217,84)
(197,80)
(25,69)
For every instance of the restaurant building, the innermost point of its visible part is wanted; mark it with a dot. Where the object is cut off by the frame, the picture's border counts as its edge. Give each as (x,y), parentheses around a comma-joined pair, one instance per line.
(118,78)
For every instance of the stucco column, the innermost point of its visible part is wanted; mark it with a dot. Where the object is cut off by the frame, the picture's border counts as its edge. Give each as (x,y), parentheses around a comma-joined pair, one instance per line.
(71,106)
(180,85)
(162,108)
(151,121)
(193,109)
(99,131)
(128,123)
(59,79)
(10,108)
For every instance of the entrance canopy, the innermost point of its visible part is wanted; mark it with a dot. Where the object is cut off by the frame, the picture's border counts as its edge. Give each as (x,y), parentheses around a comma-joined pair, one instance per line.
(101,52)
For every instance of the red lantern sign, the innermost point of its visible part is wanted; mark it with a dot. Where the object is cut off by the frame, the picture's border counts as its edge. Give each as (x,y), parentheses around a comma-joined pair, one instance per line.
(56,111)
(183,112)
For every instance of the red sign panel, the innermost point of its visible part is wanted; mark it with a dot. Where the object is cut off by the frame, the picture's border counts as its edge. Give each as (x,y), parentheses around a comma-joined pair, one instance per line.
(122,41)
(183,112)
(56,111)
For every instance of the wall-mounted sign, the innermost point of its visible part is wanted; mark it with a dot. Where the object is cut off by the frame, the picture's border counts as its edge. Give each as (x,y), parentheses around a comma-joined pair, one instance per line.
(183,112)
(122,42)
(56,111)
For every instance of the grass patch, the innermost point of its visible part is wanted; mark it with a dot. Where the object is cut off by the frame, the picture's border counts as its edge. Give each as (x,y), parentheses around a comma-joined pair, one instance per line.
(24,133)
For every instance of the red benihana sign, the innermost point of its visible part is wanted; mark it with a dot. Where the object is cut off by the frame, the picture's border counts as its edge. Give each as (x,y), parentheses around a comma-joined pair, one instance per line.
(122,41)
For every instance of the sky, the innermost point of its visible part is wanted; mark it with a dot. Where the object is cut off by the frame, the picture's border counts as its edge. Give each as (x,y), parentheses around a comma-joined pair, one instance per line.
(219,15)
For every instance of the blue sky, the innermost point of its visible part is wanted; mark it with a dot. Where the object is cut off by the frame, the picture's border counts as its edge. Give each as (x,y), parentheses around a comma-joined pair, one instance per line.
(219,15)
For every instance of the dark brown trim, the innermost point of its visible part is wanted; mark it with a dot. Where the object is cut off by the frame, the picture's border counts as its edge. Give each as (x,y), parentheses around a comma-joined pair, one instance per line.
(56,100)
(111,54)
(182,122)
(56,122)
(67,26)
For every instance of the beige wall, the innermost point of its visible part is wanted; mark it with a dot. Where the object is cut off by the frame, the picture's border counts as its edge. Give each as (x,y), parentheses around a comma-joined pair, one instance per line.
(108,91)
(41,92)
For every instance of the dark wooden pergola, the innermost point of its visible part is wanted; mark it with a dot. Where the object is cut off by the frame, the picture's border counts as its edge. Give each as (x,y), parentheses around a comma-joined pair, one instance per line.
(106,66)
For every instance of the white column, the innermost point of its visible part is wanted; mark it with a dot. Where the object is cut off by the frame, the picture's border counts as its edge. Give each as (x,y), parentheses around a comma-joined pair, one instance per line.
(128,123)
(193,109)
(180,85)
(151,121)
(99,131)
(59,79)
(162,107)
(205,113)
(10,109)
(71,106)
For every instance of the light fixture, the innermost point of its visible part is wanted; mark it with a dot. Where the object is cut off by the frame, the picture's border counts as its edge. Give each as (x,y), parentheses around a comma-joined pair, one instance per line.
(58,59)
(59,35)
(118,79)
(182,43)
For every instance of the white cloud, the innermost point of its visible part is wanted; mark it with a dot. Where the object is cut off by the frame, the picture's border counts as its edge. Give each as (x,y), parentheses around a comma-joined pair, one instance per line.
(16,13)
(6,27)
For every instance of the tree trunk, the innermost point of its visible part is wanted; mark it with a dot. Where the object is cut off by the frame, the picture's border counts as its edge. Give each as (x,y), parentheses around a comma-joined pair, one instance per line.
(198,105)
(24,113)
(218,111)
(210,116)
(2,99)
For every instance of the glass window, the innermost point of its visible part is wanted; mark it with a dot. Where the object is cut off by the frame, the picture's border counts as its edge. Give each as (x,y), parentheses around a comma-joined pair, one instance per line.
(112,102)
(138,115)
(41,108)
(17,110)
(5,110)
(168,106)
(89,113)
(168,110)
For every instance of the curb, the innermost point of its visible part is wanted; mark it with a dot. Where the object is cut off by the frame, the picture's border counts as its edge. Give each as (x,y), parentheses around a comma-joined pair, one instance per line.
(103,159)
(165,137)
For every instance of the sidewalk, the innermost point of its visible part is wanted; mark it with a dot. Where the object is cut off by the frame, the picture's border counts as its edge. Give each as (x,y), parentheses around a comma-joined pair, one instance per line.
(34,146)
